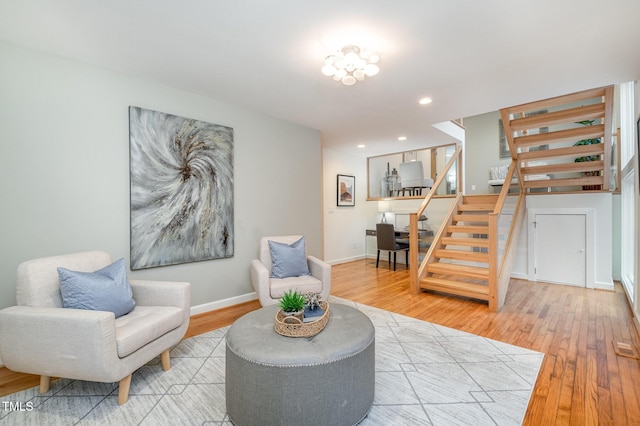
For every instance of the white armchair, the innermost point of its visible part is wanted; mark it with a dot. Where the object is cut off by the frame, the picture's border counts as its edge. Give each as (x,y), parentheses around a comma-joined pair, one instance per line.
(412,178)
(270,289)
(40,336)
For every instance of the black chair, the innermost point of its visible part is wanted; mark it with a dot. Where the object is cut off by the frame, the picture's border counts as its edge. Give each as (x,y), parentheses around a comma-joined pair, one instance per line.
(386,237)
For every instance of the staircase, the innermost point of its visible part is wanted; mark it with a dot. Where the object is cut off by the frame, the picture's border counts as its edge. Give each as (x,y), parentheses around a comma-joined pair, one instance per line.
(461,262)
(557,145)
(562,144)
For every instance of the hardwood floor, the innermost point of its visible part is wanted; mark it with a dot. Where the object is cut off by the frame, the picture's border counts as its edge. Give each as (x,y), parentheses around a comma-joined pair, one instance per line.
(582,381)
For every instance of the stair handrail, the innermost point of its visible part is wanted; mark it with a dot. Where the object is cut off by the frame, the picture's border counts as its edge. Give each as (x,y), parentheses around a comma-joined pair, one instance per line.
(498,278)
(513,170)
(414,268)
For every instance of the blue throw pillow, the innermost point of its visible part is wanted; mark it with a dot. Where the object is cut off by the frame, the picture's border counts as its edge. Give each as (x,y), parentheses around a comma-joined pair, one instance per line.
(104,290)
(288,260)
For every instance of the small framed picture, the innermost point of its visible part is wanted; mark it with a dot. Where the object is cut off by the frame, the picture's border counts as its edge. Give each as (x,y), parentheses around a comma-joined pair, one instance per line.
(346,191)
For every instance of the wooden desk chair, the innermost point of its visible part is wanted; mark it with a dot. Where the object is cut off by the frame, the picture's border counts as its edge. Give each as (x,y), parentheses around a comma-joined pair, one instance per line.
(386,238)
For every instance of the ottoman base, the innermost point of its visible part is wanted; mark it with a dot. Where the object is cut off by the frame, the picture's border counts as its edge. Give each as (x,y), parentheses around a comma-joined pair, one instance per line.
(328,379)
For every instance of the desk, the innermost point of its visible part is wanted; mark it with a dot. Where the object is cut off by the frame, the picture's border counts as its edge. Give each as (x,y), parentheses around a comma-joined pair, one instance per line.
(425,238)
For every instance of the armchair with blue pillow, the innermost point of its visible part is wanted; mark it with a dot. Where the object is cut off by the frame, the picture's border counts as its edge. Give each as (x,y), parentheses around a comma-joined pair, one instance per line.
(79,317)
(283,264)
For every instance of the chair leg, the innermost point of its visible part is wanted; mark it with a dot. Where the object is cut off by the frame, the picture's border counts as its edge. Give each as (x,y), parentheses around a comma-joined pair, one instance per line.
(123,391)
(165,358)
(389,260)
(45,383)
(394,260)
(378,259)
(406,258)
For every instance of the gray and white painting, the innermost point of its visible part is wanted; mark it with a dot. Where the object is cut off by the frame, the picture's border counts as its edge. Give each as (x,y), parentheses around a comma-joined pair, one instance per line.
(181,189)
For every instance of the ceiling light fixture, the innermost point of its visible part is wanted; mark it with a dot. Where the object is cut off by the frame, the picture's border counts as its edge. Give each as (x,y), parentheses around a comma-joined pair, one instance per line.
(425,101)
(351,64)
(402,138)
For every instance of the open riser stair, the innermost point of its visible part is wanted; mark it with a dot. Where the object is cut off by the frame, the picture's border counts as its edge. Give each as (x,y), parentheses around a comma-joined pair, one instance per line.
(562,144)
(461,259)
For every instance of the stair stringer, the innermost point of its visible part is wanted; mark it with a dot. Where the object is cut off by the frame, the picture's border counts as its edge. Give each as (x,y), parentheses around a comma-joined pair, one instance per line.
(505,267)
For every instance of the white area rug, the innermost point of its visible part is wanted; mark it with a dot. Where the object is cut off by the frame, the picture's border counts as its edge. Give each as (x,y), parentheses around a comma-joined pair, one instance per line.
(426,374)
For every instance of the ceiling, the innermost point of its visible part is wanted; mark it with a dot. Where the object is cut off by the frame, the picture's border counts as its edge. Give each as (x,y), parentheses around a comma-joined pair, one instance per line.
(470,57)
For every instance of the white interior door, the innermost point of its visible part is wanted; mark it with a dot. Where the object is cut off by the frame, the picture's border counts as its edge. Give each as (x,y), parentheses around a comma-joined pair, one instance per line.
(560,248)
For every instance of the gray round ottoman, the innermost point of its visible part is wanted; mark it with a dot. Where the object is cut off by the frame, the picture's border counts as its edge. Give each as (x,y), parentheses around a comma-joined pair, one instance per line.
(327,379)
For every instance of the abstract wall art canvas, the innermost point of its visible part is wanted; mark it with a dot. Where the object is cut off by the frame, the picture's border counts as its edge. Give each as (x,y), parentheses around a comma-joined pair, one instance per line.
(181,173)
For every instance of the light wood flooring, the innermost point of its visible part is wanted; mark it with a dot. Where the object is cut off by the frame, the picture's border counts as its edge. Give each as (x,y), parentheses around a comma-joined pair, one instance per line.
(582,381)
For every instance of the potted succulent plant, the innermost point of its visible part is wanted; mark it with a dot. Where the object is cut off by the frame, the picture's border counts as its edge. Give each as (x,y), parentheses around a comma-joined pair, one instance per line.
(292,304)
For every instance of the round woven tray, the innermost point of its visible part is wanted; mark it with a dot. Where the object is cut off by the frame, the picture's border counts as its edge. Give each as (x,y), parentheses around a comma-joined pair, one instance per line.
(293,327)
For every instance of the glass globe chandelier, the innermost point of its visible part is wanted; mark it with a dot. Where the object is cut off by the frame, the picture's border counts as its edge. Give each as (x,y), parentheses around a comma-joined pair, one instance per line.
(351,64)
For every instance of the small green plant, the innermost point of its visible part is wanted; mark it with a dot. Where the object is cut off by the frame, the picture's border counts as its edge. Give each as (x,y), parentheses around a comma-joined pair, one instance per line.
(587,142)
(292,301)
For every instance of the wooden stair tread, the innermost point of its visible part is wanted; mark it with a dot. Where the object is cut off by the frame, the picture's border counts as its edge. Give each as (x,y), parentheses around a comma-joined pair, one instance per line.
(471,218)
(468,229)
(570,151)
(470,242)
(583,166)
(480,199)
(476,207)
(461,270)
(579,133)
(577,181)
(570,98)
(470,256)
(572,115)
(477,291)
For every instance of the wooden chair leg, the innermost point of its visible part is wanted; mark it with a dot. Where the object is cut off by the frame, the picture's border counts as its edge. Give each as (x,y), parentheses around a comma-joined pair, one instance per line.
(378,259)
(123,391)
(389,260)
(165,358)
(394,259)
(45,383)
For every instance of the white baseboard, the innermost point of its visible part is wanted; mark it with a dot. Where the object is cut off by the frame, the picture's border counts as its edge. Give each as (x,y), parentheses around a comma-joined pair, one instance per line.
(604,286)
(345,260)
(520,276)
(219,304)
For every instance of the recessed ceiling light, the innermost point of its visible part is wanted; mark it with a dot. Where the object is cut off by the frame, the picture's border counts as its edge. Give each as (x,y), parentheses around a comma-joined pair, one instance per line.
(425,101)
(361,145)
(402,138)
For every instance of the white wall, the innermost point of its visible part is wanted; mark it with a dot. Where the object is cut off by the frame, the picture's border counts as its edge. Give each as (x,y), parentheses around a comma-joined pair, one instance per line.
(344,227)
(481,151)
(64,171)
